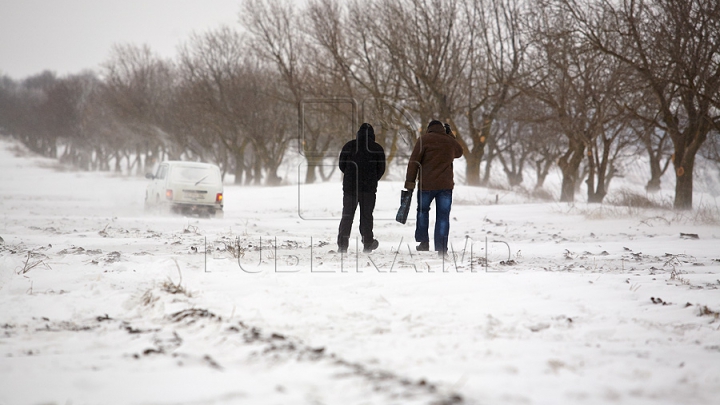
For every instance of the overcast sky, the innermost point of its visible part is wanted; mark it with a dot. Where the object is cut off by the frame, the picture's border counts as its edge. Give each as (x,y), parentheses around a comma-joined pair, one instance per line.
(69,36)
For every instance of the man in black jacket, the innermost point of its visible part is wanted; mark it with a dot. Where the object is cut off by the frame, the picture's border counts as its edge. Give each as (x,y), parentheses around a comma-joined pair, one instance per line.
(362,162)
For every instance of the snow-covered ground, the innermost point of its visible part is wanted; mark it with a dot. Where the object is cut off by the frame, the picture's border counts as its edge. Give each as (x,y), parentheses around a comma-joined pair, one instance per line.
(576,304)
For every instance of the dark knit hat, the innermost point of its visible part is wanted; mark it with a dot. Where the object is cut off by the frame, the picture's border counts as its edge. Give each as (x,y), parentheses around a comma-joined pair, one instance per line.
(435,126)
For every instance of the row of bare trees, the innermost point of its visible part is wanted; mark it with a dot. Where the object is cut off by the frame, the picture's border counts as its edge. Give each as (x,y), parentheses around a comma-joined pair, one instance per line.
(528,86)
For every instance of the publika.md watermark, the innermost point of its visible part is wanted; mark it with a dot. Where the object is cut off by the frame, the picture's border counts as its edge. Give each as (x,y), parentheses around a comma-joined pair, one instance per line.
(473,257)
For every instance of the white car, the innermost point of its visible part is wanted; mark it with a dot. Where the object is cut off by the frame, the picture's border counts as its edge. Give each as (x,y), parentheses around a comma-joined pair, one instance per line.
(185,188)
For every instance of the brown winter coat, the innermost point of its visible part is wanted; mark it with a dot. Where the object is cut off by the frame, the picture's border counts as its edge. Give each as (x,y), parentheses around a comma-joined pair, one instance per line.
(432,160)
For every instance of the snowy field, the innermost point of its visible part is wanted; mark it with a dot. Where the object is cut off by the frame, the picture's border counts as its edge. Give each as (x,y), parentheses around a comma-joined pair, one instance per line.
(565,304)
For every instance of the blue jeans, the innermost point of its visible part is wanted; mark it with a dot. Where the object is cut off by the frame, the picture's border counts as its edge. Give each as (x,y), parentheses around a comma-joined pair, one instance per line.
(443,203)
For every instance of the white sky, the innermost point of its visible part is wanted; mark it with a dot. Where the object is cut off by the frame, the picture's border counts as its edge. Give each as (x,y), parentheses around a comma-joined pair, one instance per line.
(69,36)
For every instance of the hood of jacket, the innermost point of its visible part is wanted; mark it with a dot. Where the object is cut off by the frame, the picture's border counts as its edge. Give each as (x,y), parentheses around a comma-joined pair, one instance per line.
(365,135)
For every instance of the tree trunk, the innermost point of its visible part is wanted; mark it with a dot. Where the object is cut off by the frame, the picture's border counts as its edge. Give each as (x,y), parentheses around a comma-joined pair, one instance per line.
(239,155)
(598,169)
(239,168)
(687,144)
(310,175)
(514,179)
(567,190)
(542,169)
(312,164)
(653,185)
(684,184)
(591,195)
(656,170)
(257,171)
(596,196)
(53,148)
(472,169)
(118,160)
(478,151)
(569,164)
(273,179)
(488,163)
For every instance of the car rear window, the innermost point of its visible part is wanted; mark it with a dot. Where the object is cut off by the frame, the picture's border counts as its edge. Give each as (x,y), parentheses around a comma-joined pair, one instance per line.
(195,175)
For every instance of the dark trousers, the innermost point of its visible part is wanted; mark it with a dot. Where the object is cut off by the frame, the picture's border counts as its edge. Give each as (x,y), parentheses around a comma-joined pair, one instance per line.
(366,201)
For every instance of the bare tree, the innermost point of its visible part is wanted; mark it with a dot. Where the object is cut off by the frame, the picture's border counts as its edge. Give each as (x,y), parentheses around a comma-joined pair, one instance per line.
(580,87)
(603,159)
(278,38)
(349,51)
(538,133)
(496,48)
(512,148)
(524,136)
(33,123)
(642,111)
(711,151)
(419,39)
(674,47)
(94,134)
(138,86)
(213,69)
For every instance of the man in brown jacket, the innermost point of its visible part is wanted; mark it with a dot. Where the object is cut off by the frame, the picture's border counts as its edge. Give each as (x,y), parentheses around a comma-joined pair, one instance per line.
(431,162)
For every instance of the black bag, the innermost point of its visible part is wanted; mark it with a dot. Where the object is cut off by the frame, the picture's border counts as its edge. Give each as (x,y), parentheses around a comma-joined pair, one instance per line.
(404,210)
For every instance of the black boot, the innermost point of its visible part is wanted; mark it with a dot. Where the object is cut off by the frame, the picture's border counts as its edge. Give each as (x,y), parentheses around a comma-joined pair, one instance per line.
(369,247)
(423,247)
(343,243)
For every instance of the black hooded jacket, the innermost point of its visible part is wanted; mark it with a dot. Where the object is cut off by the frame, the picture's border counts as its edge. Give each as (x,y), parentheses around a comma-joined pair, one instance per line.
(362,161)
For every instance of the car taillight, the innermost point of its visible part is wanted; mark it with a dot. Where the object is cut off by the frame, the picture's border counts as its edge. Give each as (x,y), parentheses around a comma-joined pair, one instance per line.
(218,197)
(168,194)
